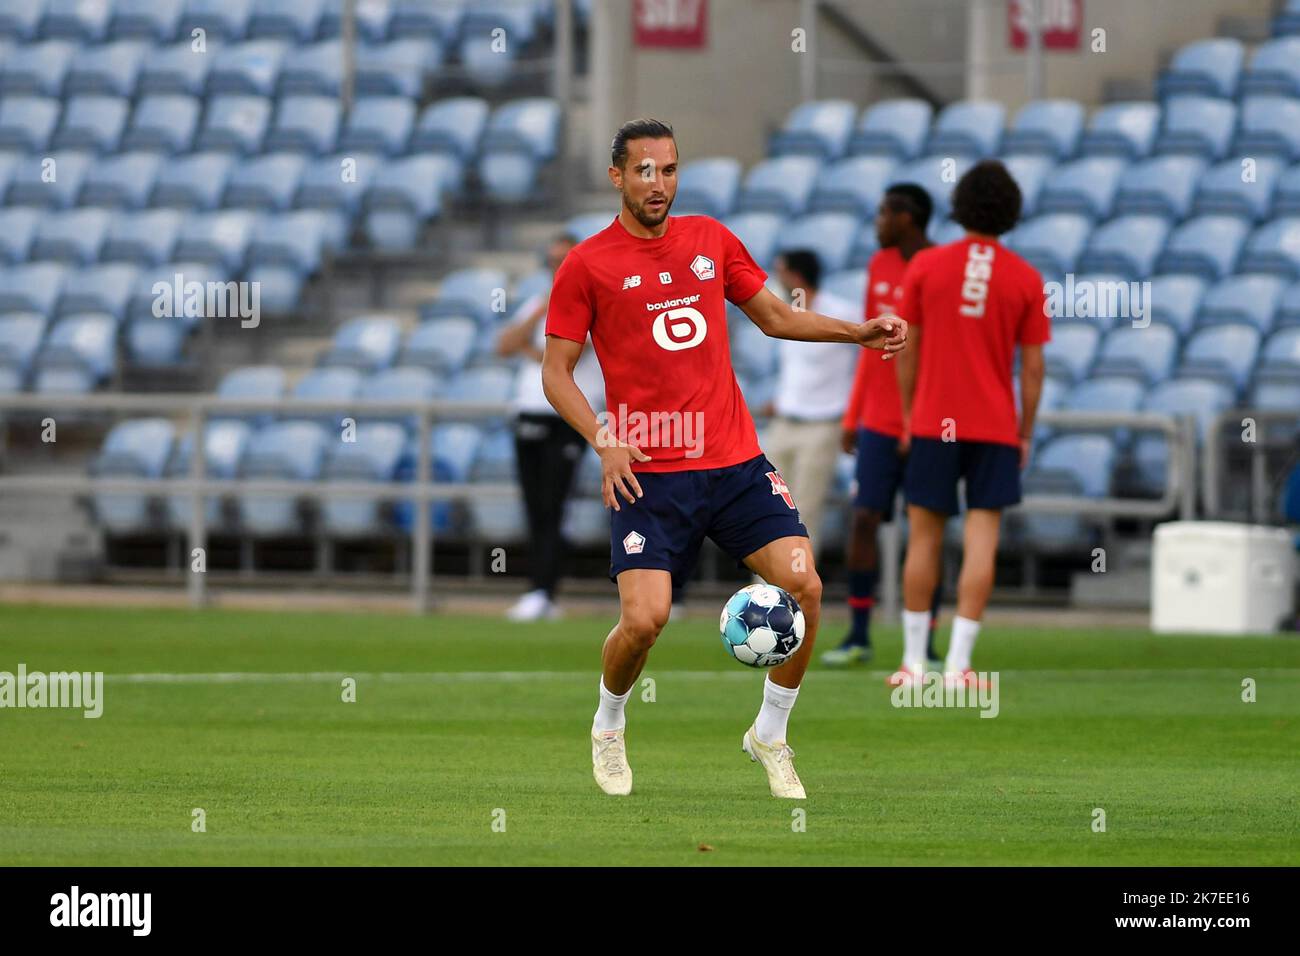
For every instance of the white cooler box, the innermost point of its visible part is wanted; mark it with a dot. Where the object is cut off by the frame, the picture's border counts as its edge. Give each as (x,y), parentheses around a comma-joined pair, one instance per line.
(1214,577)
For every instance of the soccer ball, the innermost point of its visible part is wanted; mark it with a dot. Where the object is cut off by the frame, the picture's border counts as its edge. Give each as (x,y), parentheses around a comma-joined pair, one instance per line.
(762,625)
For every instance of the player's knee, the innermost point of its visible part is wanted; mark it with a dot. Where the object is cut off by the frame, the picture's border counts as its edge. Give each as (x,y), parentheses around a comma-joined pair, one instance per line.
(808,591)
(642,625)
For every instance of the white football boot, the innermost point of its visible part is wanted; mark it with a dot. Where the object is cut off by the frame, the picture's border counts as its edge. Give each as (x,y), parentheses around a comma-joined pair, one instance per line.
(533,606)
(778,760)
(609,762)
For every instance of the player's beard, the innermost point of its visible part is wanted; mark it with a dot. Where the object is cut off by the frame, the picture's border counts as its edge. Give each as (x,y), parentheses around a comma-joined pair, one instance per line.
(644,216)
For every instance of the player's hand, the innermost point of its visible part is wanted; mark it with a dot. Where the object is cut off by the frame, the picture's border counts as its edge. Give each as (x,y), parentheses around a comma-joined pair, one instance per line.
(849,440)
(1026,448)
(889,334)
(616,474)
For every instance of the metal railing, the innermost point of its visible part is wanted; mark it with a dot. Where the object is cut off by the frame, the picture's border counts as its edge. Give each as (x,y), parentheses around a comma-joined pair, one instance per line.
(1214,459)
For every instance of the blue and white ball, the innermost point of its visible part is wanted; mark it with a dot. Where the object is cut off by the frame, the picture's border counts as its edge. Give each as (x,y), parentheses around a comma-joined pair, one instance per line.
(762,625)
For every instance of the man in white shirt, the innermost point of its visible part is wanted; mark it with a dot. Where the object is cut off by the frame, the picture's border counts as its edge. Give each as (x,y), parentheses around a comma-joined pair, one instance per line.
(813,384)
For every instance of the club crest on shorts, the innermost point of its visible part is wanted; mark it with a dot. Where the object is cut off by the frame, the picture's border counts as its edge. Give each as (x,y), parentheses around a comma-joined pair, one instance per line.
(702,266)
(779,487)
(633,543)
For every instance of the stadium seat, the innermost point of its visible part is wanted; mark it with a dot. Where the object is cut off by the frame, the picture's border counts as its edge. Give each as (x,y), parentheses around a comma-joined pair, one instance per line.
(852,185)
(27,122)
(174,70)
(586,225)
(969,128)
(707,187)
(1127,130)
(829,234)
(1144,353)
(1086,186)
(235,122)
(220,237)
(472,292)
(102,288)
(1197,126)
(308,124)
(781,185)
(1205,68)
(937,175)
(586,522)
(267,182)
(287,450)
(819,128)
(1070,464)
(21,334)
(138,448)
(10,162)
(297,240)
(1288,312)
(20,20)
(378,124)
(1270,126)
(1287,21)
(109,70)
(185,310)
(1048,127)
(250,382)
(443,345)
(403,383)
(1175,299)
(1225,352)
(1253,299)
(397,68)
(487,64)
(337,182)
(123,181)
(195,181)
(312,70)
(1052,243)
(495,460)
(1162,186)
(455,125)
(32,287)
(1198,398)
(17,232)
(74,236)
(1223,188)
(1030,174)
(943,231)
(483,384)
(1206,245)
(154,21)
(1070,352)
(1127,246)
(36,69)
(758,232)
(407,194)
(1286,195)
(895,128)
(521,136)
(163,122)
(847,284)
(753,353)
(293,21)
(414,18)
(498,520)
(331,383)
(93,123)
(246,69)
(219,19)
(1275,248)
(1105,394)
(374,454)
(224,444)
(1281,352)
(372,19)
(79,353)
(1274,69)
(1102,299)
(367,342)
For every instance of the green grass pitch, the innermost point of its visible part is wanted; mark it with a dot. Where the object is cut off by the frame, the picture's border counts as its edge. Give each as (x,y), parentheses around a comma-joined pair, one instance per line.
(460,723)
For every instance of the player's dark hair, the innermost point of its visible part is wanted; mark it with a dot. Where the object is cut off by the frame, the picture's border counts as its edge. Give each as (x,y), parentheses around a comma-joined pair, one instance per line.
(913,200)
(637,129)
(987,199)
(805,264)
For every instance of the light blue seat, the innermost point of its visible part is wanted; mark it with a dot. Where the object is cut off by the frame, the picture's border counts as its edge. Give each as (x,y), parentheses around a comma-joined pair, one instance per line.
(847,284)
(1206,68)
(407,194)
(1288,312)
(267,182)
(537,282)
(1175,299)
(819,128)
(102,288)
(224,444)
(453,125)
(496,456)
(753,354)
(586,225)
(444,344)
(329,383)
(1197,126)
(896,128)
(1052,243)
(1225,352)
(78,355)
(937,175)
(74,236)
(32,287)
(1199,398)
(1102,299)
(1164,186)
(21,334)
(20,20)
(1030,172)
(397,68)
(372,19)
(378,124)
(293,450)
(403,383)
(943,231)
(1106,394)
(1122,129)
(366,342)
(237,123)
(157,286)
(1286,195)
(1070,352)
(175,70)
(10,163)
(1275,248)
(829,234)
(17,232)
(1206,246)
(27,122)
(970,128)
(163,122)
(313,70)
(1253,299)
(81,21)
(294,21)
(1287,22)
(455,446)
(586,522)
(374,455)
(324,185)
(1223,190)
(36,69)
(220,237)
(1127,246)
(250,382)
(1274,69)
(487,65)
(471,292)
(93,123)
(1085,186)
(757,232)
(486,383)
(297,239)
(281,286)
(220,19)
(414,18)
(195,181)
(250,69)
(1145,353)
(498,520)
(137,448)
(109,70)
(155,21)
(1047,127)
(521,19)
(1270,126)
(1069,464)
(123,181)
(708,187)
(521,137)
(781,185)
(1281,353)
(853,185)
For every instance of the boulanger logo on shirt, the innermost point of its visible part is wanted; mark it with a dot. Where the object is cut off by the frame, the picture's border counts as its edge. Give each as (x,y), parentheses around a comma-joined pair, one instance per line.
(679,326)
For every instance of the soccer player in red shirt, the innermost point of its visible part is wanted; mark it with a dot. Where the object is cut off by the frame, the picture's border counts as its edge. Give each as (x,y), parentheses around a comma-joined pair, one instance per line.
(969,304)
(873,419)
(679,455)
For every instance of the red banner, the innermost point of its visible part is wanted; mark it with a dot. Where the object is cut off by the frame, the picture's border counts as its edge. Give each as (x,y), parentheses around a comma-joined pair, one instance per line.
(1062,22)
(670,23)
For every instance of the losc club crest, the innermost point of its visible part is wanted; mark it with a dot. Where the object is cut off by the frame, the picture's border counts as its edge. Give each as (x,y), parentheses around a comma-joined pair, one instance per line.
(702,266)
(633,543)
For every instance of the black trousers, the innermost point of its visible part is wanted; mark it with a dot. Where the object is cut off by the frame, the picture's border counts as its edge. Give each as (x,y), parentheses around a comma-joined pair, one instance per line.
(547,452)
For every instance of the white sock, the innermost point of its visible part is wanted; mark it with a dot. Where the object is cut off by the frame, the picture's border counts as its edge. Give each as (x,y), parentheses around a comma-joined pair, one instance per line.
(773,716)
(964,632)
(609,715)
(916,631)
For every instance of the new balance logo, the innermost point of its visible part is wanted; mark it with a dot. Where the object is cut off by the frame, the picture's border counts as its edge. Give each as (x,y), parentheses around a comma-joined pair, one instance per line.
(631,282)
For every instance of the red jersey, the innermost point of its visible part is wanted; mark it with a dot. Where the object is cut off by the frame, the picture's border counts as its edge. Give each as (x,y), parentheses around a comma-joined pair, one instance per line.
(656,312)
(874,402)
(974,301)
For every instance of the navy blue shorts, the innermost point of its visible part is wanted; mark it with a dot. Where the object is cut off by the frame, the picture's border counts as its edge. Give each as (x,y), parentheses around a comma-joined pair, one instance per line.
(879,472)
(741,507)
(992,474)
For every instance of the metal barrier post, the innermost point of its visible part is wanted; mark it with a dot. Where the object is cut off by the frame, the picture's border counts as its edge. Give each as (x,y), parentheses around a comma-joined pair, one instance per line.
(198,536)
(420,563)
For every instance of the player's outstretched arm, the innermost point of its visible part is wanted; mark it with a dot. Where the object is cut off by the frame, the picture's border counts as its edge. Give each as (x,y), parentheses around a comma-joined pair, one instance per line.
(777,319)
